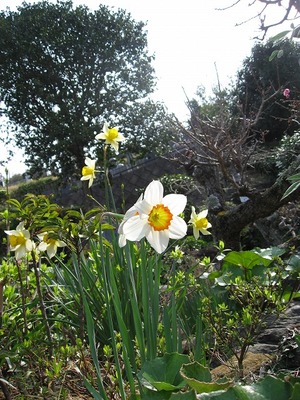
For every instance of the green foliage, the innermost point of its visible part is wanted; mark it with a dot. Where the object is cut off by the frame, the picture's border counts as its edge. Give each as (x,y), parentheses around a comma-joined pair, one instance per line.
(162,373)
(248,288)
(138,311)
(63,71)
(147,130)
(36,187)
(198,378)
(287,151)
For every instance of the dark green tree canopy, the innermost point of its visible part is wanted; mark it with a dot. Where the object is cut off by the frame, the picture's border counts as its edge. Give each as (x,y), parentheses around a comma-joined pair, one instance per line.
(260,85)
(64,71)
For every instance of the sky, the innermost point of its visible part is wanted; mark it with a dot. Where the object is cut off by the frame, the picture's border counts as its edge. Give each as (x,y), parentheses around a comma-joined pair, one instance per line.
(194,44)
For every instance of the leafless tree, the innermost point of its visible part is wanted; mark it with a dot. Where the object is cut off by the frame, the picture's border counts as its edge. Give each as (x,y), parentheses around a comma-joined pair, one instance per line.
(219,154)
(290,11)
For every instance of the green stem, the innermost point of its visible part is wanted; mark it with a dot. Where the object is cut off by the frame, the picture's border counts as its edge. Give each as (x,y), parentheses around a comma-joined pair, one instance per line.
(23,297)
(36,268)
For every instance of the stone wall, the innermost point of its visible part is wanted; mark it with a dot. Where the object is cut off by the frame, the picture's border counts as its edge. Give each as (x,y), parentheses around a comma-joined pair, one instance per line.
(127,184)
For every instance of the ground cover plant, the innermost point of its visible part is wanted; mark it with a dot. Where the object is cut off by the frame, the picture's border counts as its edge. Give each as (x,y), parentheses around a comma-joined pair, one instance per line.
(110,299)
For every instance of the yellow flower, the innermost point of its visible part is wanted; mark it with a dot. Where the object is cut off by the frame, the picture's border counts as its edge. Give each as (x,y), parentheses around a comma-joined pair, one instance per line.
(111,136)
(156,218)
(49,243)
(19,241)
(88,171)
(200,223)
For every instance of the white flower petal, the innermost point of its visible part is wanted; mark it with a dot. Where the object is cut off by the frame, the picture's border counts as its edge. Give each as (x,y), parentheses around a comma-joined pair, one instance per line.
(158,240)
(51,250)
(12,233)
(85,177)
(204,231)
(122,240)
(42,246)
(177,228)
(203,214)
(100,136)
(144,207)
(175,202)
(135,228)
(90,163)
(115,145)
(120,137)
(20,227)
(154,193)
(196,232)
(20,252)
(28,245)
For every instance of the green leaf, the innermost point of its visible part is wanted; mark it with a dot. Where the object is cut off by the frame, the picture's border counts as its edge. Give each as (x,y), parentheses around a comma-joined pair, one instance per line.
(279,36)
(295,177)
(198,377)
(291,189)
(294,264)
(296,392)
(273,55)
(107,226)
(246,259)
(280,54)
(163,373)
(270,252)
(191,395)
(269,388)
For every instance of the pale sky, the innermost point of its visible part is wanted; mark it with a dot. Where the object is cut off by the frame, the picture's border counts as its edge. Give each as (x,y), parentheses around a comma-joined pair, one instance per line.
(190,40)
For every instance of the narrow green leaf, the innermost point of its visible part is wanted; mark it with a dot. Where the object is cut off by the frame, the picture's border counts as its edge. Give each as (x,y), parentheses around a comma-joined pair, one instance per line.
(294,186)
(295,177)
(280,54)
(279,36)
(273,55)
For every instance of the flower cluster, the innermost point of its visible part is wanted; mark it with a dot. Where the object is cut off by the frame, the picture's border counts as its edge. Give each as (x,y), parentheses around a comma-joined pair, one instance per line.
(21,243)
(113,137)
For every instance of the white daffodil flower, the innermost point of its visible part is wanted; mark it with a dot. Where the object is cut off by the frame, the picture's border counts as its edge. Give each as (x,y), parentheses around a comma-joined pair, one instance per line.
(88,171)
(111,136)
(19,241)
(49,243)
(157,218)
(199,223)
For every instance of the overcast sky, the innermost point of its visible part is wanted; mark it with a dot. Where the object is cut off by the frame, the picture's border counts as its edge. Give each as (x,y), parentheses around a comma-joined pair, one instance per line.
(191,39)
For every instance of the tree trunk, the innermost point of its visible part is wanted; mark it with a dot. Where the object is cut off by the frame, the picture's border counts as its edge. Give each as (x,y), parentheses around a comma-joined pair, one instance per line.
(227,225)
